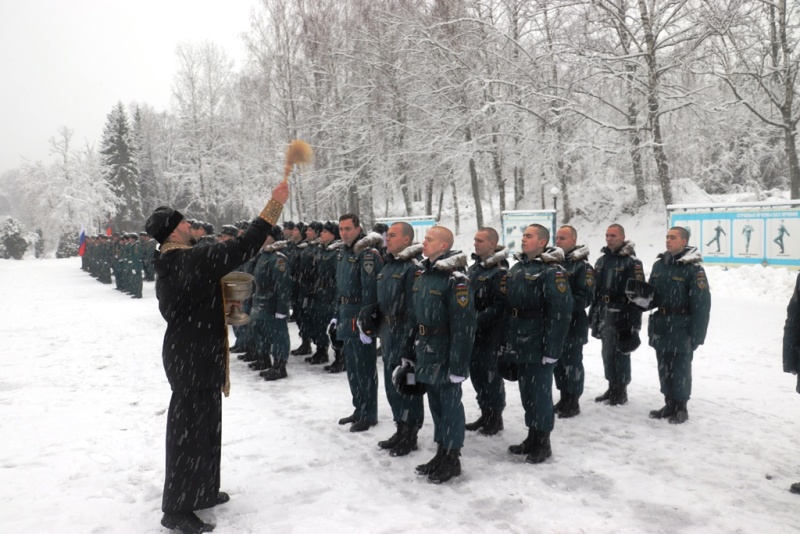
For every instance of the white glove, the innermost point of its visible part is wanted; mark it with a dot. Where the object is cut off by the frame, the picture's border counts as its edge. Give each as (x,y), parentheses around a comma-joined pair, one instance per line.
(405,362)
(546,360)
(642,302)
(455,379)
(280,316)
(365,339)
(333,322)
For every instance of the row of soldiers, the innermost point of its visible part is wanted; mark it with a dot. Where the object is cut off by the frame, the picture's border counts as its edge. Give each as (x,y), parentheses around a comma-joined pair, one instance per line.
(128,256)
(440,320)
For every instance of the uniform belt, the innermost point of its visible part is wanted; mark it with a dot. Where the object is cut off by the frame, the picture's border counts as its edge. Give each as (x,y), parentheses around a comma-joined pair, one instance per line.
(433,330)
(349,300)
(672,311)
(526,314)
(612,298)
(393,319)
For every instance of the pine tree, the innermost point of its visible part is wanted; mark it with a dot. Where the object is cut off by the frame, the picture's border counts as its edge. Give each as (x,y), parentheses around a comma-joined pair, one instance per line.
(120,170)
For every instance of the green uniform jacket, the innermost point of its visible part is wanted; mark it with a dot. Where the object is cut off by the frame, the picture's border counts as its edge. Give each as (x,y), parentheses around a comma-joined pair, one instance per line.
(681,300)
(443,303)
(580,274)
(395,295)
(488,281)
(273,279)
(539,308)
(611,309)
(791,333)
(356,282)
(305,265)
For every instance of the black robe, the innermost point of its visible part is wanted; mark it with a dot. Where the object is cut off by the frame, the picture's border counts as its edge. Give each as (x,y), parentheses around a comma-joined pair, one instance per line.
(190,300)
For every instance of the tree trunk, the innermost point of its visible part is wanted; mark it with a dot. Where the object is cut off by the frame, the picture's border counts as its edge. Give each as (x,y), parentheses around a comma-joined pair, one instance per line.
(653,106)
(456,216)
(475,186)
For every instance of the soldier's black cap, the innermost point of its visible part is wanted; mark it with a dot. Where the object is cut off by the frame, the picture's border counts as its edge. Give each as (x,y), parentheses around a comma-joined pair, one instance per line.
(230,230)
(316,226)
(380,228)
(162,222)
(276,232)
(143,234)
(288,225)
(300,225)
(209,228)
(332,227)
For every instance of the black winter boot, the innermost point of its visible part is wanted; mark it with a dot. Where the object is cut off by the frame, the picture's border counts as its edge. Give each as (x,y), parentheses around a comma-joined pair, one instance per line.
(478,423)
(262,362)
(619,395)
(665,411)
(249,356)
(320,356)
(277,372)
(303,349)
(605,397)
(338,363)
(392,441)
(408,441)
(449,467)
(429,467)
(570,407)
(185,522)
(526,446)
(541,450)
(493,424)
(681,414)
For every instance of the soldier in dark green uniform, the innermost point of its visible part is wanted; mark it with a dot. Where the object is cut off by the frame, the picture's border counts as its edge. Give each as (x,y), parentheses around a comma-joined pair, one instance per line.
(245,341)
(356,288)
(324,294)
(678,324)
(791,346)
(487,276)
(539,314)
(104,259)
(569,373)
(613,318)
(135,266)
(307,278)
(444,309)
(270,310)
(397,331)
(148,249)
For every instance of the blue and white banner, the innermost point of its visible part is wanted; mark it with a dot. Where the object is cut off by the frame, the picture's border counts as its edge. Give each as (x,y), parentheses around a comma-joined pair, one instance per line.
(515,222)
(742,234)
(419,224)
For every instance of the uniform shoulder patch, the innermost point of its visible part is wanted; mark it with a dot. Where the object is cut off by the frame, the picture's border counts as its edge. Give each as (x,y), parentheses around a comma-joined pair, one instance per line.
(638,271)
(462,295)
(702,281)
(281,264)
(589,276)
(561,281)
(369,263)
(503,284)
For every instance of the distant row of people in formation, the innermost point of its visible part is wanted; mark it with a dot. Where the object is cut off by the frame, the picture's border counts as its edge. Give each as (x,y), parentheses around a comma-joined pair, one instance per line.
(441,319)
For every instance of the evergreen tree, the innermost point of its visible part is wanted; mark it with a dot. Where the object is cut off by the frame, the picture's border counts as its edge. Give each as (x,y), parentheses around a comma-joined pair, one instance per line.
(120,170)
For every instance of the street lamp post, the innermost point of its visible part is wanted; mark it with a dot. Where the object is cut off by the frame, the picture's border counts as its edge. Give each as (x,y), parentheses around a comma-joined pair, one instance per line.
(555,191)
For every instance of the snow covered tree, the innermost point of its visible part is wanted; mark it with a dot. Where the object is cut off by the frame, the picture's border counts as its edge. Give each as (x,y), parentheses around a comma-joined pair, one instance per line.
(12,240)
(119,169)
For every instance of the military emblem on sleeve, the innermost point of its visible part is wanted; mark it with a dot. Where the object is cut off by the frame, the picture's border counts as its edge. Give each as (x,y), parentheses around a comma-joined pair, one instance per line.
(638,272)
(503,287)
(589,276)
(462,295)
(369,263)
(561,282)
(702,281)
(281,264)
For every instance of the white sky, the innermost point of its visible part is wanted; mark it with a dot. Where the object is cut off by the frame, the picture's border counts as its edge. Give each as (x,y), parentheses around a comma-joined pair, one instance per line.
(67,62)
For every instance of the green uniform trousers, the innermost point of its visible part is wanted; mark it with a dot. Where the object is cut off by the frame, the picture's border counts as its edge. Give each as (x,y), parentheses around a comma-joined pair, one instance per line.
(536,393)
(675,374)
(405,408)
(362,376)
(444,401)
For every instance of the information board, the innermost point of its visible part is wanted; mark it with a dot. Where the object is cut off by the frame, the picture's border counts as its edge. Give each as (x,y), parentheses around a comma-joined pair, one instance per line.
(742,234)
(419,224)
(515,222)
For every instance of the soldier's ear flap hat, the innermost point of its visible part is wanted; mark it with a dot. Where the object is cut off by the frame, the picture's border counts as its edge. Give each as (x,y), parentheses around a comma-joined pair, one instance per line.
(162,223)
(276,232)
(331,227)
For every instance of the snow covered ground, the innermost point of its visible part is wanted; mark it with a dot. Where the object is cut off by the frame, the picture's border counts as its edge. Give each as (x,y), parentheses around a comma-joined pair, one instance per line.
(82,418)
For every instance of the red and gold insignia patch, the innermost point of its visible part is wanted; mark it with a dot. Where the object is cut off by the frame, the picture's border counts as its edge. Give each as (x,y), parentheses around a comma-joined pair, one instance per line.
(369,263)
(561,282)
(281,264)
(462,295)
(702,281)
